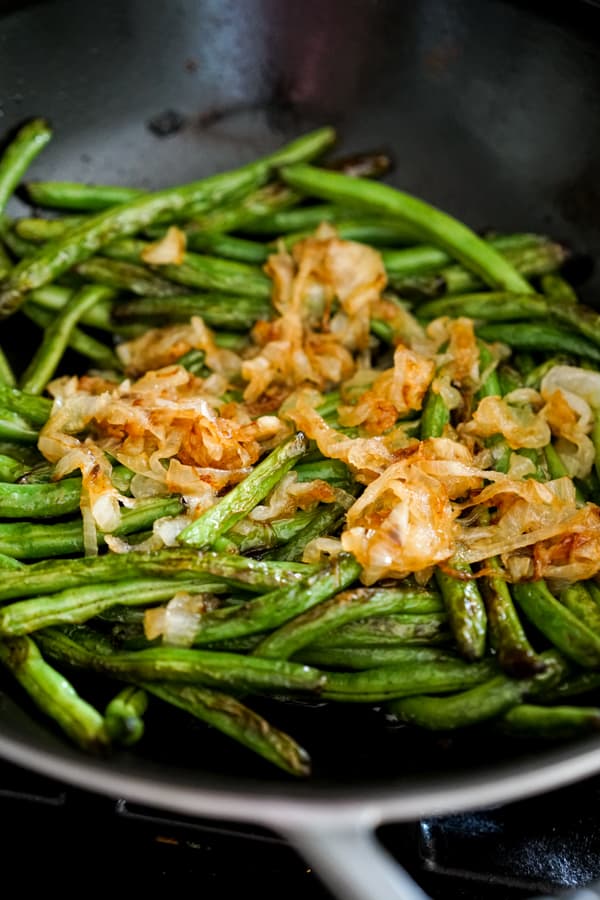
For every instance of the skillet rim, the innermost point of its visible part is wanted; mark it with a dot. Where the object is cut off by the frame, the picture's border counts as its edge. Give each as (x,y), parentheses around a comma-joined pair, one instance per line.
(369,806)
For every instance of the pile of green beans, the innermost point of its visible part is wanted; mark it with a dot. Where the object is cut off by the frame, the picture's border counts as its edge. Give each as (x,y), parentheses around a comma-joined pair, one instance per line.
(464,649)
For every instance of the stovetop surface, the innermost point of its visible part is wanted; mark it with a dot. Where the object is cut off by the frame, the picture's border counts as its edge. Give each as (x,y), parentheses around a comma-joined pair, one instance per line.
(521,850)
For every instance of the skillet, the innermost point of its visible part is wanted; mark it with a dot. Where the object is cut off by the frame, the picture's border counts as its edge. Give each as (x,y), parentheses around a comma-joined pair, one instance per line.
(491,111)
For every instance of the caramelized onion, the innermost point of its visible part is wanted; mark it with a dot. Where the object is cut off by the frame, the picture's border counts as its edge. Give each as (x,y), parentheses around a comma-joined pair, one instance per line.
(169,250)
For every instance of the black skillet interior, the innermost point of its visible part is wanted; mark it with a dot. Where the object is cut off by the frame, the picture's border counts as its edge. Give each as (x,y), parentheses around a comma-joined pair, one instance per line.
(490,110)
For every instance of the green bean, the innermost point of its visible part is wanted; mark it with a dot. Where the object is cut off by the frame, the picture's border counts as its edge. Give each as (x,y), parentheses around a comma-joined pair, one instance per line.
(30,457)
(29,540)
(217,310)
(556,289)
(463,602)
(179,564)
(578,600)
(56,338)
(125,276)
(9,564)
(22,150)
(201,272)
(41,230)
(195,362)
(580,318)
(77,196)
(516,656)
(366,231)
(244,214)
(35,409)
(226,245)
(214,274)
(538,458)
(334,471)
(594,591)
(326,409)
(556,467)
(39,472)
(237,721)
(301,219)
(531,262)
(436,416)
(550,722)
(15,428)
(241,213)
(345,607)
(426,258)
(404,680)
(220,711)
(6,373)
(466,610)
(53,694)
(53,298)
(301,222)
(500,307)
(372,657)
(11,469)
(539,336)
(123,717)
(490,385)
(248,535)
(198,667)
(18,248)
(83,241)
(534,377)
(573,685)
(40,501)
(388,631)
(374,231)
(492,306)
(325,520)
(80,604)
(562,628)
(484,701)
(97,352)
(429,222)
(127,250)
(131,616)
(242,499)
(510,378)
(271,610)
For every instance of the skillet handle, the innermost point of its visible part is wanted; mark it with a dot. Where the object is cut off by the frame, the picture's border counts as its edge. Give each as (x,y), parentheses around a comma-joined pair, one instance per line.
(353,864)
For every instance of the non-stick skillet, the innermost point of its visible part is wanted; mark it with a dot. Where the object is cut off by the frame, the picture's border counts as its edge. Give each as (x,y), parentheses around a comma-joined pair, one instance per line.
(491,111)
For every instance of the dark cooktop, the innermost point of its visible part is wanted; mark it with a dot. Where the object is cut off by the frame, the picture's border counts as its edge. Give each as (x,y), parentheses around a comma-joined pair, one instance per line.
(53,833)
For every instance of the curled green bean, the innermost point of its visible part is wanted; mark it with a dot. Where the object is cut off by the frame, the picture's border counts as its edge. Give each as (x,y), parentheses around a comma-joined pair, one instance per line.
(429,222)
(56,338)
(53,694)
(238,722)
(28,142)
(123,717)
(484,701)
